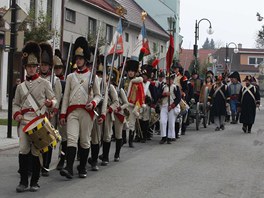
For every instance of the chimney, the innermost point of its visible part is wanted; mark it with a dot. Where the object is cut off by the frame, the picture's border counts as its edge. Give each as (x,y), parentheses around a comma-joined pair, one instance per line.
(239,46)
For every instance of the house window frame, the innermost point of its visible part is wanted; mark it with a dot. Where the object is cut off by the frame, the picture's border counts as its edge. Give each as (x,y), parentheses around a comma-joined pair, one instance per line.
(257,59)
(72,17)
(126,37)
(92,24)
(109,33)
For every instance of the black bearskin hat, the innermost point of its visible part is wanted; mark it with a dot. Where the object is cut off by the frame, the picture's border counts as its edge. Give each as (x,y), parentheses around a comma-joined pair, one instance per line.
(81,48)
(31,54)
(46,53)
(132,65)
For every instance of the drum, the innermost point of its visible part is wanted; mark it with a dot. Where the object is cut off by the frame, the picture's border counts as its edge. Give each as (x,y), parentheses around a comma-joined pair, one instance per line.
(183,105)
(42,133)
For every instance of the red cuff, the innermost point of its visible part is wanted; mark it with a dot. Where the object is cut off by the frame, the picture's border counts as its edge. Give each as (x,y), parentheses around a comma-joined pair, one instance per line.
(62,116)
(16,114)
(94,104)
(153,83)
(152,105)
(164,94)
(173,105)
(55,110)
(102,116)
(118,108)
(110,110)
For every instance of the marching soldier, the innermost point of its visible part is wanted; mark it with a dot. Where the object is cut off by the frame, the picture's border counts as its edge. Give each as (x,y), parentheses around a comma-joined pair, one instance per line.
(111,99)
(59,69)
(81,96)
(170,109)
(135,94)
(38,90)
(197,84)
(218,98)
(46,67)
(234,90)
(249,100)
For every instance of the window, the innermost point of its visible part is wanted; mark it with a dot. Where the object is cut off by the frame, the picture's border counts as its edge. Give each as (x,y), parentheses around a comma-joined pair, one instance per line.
(161,49)
(255,60)
(109,33)
(92,26)
(126,37)
(70,15)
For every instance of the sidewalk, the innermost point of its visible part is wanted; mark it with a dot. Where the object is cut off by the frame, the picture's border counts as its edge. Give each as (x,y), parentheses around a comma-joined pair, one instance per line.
(7,143)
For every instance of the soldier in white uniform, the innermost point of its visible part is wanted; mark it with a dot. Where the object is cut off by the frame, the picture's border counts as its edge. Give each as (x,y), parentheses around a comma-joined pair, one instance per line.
(80,98)
(108,117)
(170,109)
(46,67)
(41,91)
(135,95)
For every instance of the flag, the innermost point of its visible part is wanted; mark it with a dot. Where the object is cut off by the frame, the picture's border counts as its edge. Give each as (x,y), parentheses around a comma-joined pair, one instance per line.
(117,39)
(169,55)
(142,43)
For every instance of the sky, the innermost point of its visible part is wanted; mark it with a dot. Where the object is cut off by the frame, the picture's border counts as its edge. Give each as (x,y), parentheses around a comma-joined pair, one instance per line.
(232,21)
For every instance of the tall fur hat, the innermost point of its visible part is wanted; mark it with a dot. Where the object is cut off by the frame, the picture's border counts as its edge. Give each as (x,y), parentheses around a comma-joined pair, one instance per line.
(132,65)
(81,48)
(31,54)
(46,53)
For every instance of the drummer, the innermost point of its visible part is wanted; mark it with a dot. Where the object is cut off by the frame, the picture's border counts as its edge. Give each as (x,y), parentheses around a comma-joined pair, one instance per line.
(32,89)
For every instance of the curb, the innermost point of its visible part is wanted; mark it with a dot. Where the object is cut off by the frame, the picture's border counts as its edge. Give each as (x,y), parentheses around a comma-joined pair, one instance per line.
(9,147)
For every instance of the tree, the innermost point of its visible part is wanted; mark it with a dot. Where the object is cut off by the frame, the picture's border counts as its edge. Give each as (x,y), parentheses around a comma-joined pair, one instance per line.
(206,44)
(38,28)
(212,44)
(260,38)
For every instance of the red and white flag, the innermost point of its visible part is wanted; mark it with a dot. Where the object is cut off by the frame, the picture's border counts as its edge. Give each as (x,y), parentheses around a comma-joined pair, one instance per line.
(169,55)
(117,40)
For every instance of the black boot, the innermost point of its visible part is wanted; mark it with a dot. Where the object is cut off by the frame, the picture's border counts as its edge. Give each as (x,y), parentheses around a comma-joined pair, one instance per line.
(124,136)
(233,117)
(83,161)
(23,170)
(118,148)
(163,140)
(130,139)
(94,157)
(105,155)
(35,174)
(62,155)
(70,157)
(237,116)
(46,162)
(244,128)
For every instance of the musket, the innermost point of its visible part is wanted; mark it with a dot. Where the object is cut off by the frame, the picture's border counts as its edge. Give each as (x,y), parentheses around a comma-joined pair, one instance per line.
(122,72)
(68,59)
(91,77)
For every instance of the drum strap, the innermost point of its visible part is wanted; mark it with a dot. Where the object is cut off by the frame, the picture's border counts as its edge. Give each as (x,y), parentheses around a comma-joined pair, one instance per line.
(247,89)
(30,99)
(79,86)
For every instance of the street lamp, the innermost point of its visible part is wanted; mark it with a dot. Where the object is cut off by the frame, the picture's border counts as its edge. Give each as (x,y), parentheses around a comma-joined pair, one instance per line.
(228,69)
(195,47)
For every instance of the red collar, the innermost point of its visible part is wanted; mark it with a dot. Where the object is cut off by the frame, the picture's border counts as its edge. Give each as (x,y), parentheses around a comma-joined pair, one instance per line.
(61,77)
(34,77)
(82,71)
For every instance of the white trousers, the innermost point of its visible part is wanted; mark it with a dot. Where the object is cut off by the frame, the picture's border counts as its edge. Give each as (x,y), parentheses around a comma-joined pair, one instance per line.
(170,117)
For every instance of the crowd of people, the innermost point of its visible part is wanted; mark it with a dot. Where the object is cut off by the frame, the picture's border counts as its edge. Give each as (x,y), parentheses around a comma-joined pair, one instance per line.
(95,104)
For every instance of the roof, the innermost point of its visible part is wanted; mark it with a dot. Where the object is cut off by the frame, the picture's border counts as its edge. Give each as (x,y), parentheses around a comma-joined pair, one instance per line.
(103,5)
(134,16)
(186,56)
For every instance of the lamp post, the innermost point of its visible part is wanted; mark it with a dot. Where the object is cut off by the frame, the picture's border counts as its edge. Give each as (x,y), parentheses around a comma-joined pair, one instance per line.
(195,47)
(228,69)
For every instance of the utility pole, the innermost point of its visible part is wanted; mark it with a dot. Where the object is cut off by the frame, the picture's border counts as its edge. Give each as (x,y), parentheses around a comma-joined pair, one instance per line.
(13,8)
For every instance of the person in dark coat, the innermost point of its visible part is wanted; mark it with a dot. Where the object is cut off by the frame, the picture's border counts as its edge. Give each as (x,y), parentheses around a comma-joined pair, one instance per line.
(218,98)
(249,100)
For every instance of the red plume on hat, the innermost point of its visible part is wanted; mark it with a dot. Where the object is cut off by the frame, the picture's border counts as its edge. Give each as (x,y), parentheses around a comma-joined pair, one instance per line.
(155,62)
(143,52)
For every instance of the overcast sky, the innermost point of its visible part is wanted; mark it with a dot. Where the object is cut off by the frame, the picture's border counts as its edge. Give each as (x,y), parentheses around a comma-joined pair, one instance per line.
(232,21)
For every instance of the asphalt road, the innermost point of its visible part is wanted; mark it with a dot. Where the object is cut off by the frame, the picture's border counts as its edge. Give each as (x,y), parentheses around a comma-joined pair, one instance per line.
(202,164)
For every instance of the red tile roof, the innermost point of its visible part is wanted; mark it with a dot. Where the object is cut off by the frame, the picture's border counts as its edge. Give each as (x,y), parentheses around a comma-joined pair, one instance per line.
(102,4)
